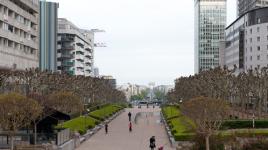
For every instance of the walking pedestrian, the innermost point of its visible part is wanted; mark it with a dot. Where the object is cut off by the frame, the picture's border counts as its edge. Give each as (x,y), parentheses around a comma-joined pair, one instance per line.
(130,127)
(106,128)
(129,116)
(152,143)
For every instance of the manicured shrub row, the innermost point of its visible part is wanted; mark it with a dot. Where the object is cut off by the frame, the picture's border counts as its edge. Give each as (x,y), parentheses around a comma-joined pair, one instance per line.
(181,127)
(79,124)
(105,112)
(243,124)
(82,124)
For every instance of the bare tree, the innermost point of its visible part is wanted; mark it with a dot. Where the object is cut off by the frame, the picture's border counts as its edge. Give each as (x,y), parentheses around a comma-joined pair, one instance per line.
(17,111)
(207,113)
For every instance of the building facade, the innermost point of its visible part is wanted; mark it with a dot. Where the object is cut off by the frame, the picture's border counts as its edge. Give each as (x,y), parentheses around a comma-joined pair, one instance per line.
(244,6)
(19,34)
(75,49)
(48,35)
(210,23)
(247,41)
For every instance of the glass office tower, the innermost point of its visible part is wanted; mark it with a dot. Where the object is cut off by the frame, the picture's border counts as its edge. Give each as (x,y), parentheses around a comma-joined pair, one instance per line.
(210,23)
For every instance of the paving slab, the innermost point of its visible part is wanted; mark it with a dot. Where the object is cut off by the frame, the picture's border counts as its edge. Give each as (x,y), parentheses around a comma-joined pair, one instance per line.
(119,138)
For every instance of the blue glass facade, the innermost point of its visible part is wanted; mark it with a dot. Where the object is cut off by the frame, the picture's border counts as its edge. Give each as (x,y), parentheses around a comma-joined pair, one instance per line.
(48,35)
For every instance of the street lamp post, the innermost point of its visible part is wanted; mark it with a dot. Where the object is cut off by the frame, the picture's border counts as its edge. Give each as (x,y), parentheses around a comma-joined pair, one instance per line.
(85,119)
(253,108)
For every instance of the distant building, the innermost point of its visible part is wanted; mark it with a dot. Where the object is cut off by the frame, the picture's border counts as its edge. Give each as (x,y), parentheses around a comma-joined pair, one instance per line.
(48,35)
(19,34)
(111,80)
(164,88)
(210,22)
(247,41)
(96,72)
(132,89)
(75,49)
(244,6)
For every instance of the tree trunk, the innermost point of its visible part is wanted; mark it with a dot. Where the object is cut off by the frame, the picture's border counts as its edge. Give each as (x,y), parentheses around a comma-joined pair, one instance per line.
(207,142)
(11,142)
(35,132)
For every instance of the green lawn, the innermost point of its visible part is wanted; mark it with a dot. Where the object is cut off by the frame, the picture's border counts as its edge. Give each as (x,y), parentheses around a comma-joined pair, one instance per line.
(80,124)
(171,112)
(105,112)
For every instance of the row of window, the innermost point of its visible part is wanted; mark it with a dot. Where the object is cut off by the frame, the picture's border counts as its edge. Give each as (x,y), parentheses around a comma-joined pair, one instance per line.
(258,48)
(4,42)
(258,39)
(258,29)
(17,31)
(11,14)
(259,57)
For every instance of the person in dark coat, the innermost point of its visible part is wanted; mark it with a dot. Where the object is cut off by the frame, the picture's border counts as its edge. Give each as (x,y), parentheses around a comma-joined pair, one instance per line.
(152,143)
(129,116)
(106,128)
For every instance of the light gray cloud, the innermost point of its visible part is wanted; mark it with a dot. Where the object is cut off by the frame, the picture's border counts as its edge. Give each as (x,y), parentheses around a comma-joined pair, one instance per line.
(148,40)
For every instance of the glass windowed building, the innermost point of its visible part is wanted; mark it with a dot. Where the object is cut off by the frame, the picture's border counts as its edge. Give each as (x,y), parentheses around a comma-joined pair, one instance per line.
(210,23)
(244,6)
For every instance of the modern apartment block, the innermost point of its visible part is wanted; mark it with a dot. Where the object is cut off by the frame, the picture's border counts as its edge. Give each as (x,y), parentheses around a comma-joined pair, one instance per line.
(247,41)
(210,23)
(19,34)
(246,5)
(48,35)
(75,49)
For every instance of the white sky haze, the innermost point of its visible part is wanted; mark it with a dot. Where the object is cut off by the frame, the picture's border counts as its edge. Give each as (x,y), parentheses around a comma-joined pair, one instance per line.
(148,40)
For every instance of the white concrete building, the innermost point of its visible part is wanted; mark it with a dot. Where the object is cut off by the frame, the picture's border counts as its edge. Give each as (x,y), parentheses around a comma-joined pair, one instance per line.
(247,41)
(19,34)
(75,49)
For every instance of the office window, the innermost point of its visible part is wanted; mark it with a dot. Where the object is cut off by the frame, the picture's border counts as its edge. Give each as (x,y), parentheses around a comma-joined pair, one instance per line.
(250,40)
(258,29)
(258,57)
(250,49)
(250,31)
(250,58)
(258,48)
(258,39)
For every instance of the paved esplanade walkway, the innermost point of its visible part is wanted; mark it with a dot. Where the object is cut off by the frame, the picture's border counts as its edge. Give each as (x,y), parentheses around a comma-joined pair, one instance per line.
(119,138)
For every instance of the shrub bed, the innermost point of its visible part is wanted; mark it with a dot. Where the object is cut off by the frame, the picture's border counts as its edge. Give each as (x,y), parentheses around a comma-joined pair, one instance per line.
(80,124)
(243,124)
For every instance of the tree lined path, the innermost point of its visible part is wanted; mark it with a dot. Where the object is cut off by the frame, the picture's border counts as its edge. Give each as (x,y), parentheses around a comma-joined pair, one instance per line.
(119,138)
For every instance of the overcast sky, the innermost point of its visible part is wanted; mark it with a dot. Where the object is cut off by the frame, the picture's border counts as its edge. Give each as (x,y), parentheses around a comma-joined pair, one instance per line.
(148,40)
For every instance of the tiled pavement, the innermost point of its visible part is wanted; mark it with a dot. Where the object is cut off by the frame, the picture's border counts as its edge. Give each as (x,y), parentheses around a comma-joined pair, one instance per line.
(119,137)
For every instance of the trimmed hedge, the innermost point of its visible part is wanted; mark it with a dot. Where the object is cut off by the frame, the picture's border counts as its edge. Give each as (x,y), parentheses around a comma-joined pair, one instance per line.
(105,112)
(243,124)
(79,124)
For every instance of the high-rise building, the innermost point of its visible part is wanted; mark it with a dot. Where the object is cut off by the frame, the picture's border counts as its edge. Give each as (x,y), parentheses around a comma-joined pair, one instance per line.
(48,35)
(210,22)
(96,72)
(246,5)
(75,49)
(19,34)
(247,41)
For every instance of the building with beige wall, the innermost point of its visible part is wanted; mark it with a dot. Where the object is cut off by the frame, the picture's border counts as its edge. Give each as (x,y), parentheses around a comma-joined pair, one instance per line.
(19,34)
